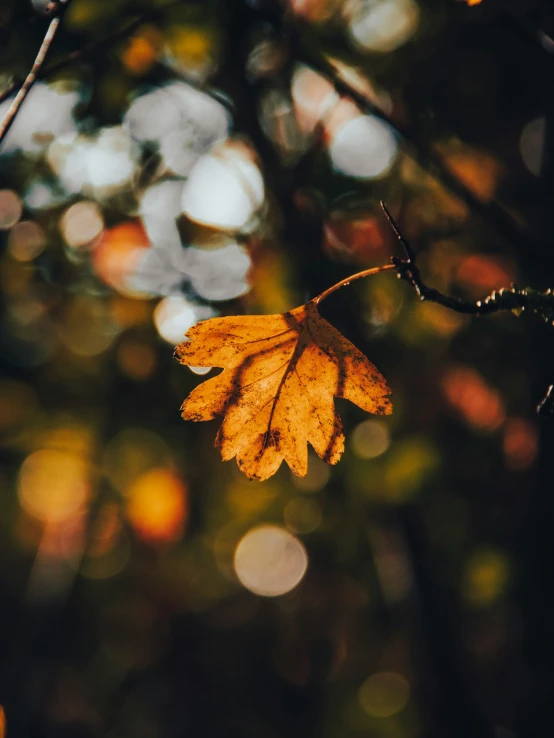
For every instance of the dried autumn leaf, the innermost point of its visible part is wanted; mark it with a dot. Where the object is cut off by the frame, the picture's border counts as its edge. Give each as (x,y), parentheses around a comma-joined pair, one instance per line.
(281,375)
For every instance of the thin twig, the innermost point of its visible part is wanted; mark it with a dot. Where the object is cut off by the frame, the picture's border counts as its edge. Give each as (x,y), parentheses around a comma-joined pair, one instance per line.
(503,299)
(513,299)
(32,76)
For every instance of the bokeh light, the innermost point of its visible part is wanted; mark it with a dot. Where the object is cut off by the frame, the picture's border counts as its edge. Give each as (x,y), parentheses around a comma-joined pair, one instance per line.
(486,578)
(53,485)
(370,438)
(81,223)
(142,50)
(383,25)
(184,122)
(520,443)
(531,145)
(189,50)
(11,208)
(87,327)
(218,272)
(270,561)
(480,274)
(480,405)
(160,205)
(409,464)
(174,315)
(118,254)
(384,694)
(200,370)
(157,506)
(48,115)
(313,96)
(225,188)
(363,147)
(100,165)
(26,240)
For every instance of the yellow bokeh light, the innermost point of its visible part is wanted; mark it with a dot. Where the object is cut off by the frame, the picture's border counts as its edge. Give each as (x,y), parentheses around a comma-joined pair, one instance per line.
(86,327)
(486,577)
(384,694)
(189,43)
(439,320)
(409,465)
(270,561)
(370,439)
(53,485)
(70,436)
(157,506)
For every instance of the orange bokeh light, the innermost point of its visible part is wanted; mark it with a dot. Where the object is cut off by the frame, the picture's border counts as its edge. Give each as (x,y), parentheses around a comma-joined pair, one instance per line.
(481,406)
(478,273)
(157,506)
(361,237)
(521,442)
(118,255)
(142,51)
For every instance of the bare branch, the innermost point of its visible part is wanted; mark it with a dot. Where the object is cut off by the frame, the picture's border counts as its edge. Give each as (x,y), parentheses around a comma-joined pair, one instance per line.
(512,299)
(60,7)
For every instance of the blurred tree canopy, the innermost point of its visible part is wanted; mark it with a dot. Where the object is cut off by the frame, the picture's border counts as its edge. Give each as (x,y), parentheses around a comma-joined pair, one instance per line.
(181,159)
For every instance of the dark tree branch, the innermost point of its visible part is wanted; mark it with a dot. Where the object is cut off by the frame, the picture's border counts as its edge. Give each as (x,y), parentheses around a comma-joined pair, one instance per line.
(505,299)
(512,298)
(58,9)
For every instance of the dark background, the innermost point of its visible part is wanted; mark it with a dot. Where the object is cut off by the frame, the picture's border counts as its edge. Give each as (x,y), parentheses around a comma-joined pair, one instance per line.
(427,607)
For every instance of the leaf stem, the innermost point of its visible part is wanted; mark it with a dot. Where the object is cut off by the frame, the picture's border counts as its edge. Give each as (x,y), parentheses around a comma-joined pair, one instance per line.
(346,282)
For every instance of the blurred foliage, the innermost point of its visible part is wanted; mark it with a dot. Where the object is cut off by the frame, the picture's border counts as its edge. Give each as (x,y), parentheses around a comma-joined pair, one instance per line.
(195,167)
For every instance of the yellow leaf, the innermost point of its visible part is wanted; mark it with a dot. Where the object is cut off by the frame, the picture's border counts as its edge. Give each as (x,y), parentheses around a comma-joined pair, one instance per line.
(276,393)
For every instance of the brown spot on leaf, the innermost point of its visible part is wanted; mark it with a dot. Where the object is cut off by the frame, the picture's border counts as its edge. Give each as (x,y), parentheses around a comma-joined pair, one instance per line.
(276,393)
